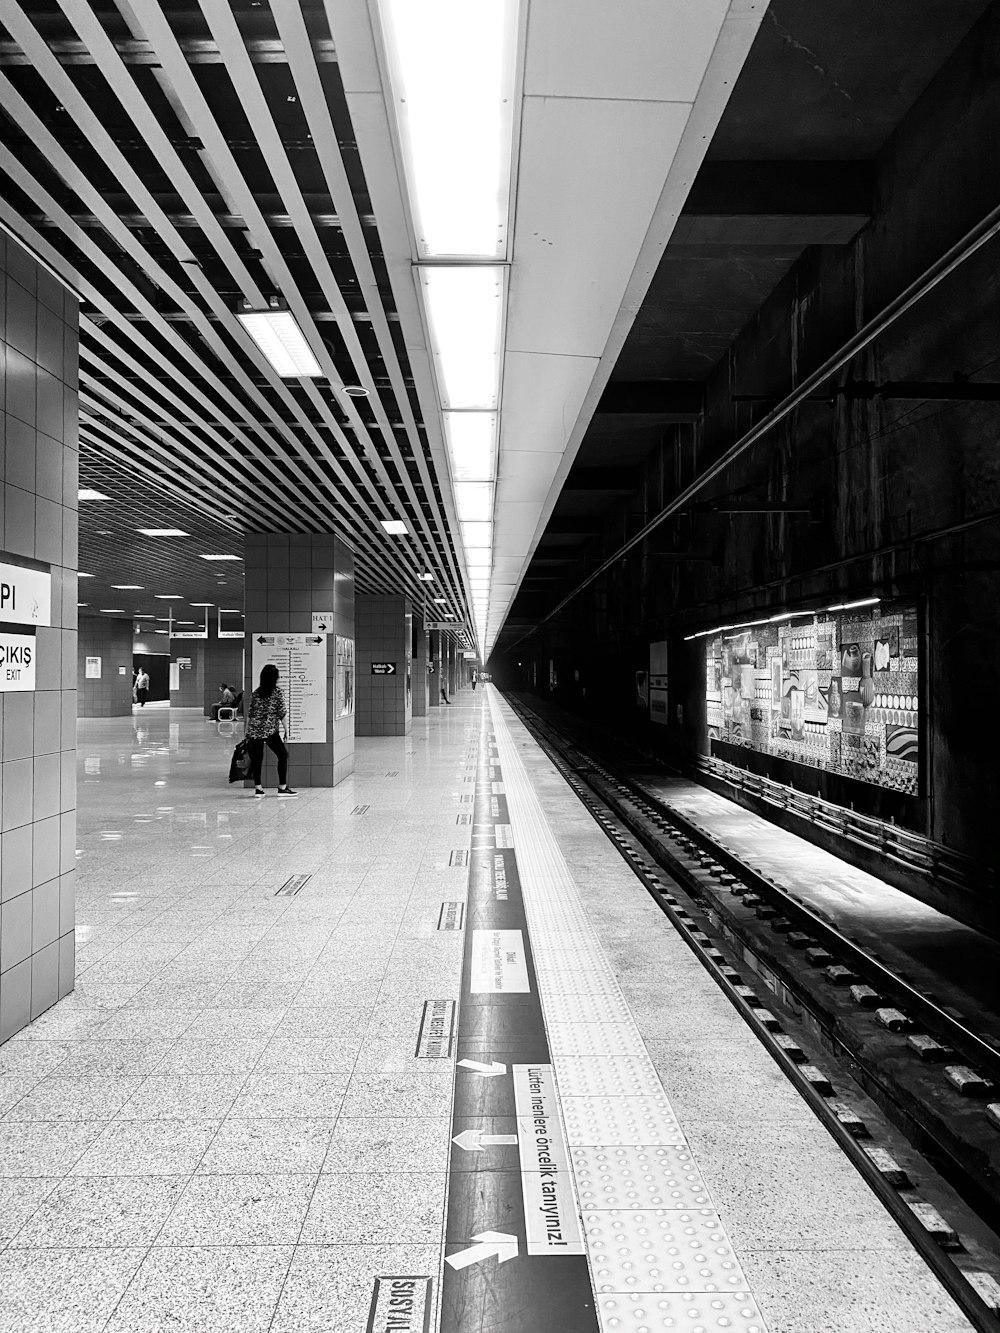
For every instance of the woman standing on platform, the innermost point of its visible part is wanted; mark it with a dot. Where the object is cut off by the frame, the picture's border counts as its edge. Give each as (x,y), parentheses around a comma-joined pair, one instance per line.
(267,713)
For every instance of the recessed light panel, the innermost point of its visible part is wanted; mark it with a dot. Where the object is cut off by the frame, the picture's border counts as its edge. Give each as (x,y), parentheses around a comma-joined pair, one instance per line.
(162,532)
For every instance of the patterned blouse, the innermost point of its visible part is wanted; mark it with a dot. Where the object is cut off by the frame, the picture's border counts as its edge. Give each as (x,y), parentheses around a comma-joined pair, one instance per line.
(265,714)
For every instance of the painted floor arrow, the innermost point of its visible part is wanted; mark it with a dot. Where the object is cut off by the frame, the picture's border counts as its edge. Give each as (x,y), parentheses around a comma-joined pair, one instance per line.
(492,1244)
(474,1140)
(477,1067)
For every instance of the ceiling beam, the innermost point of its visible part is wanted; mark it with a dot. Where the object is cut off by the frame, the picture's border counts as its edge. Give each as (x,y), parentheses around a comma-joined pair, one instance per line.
(776,203)
(679,399)
(610,480)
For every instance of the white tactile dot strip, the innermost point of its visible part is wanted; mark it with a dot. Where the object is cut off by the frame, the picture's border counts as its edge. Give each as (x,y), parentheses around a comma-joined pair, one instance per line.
(644,1177)
(659,1256)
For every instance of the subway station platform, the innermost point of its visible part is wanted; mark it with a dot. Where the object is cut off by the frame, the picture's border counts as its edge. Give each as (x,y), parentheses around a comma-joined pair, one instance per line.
(418,1052)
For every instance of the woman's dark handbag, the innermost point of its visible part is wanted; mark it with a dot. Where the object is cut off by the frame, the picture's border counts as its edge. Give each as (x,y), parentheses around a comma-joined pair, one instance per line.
(239,769)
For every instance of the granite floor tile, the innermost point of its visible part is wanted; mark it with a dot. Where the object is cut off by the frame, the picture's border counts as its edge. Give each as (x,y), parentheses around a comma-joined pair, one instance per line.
(390,1144)
(101,1211)
(79,1097)
(380,1095)
(183,1097)
(239,1210)
(275,1094)
(268,1146)
(197,1055)
(329,1287)
(18,1200)
(404,1207)
(310,1054)
(45,1148)
(147,1148)
(203,1289)
(63,1290)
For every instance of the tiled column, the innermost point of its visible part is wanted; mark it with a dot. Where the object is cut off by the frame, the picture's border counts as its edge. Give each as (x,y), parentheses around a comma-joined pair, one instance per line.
(420,689)
(110,641)
(452,667)
(384,639)
(288,577)
(39,327)
(434,678)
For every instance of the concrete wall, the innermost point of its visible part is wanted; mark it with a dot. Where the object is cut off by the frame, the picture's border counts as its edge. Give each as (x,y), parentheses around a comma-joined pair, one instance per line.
(38,383)
(109,695)
(890,484)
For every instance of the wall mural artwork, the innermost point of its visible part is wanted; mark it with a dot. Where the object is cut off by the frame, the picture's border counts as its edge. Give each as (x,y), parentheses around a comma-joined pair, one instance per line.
(837,690)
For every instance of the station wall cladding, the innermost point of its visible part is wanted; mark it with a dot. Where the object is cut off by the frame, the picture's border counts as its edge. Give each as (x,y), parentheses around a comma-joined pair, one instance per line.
(899,498)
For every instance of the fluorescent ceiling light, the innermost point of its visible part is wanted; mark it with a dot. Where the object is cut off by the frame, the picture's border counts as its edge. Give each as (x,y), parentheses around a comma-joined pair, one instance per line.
(477,534)
(183,622)
(440,601)
(471,440)
(144,615)
(113,610)
(426,578)
(128,587)
(850,606)
(445,56)
(81,575)
(277,334)
(474,500)
(395,527)
(83,603)
(479,559)
(227,610)
(168,596)
(221,557)
(202,603)
(464,307)
(85,493)
(162,532)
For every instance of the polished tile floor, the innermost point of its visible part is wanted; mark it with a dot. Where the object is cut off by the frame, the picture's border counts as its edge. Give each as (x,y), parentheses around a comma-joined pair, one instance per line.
(225,1128)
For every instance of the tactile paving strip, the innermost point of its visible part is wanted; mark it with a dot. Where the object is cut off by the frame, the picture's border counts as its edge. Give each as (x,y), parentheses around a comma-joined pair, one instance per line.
(661,1250)
(638,1177)
(620,1120)
(634,1312)
(659,1256)
(618,1076)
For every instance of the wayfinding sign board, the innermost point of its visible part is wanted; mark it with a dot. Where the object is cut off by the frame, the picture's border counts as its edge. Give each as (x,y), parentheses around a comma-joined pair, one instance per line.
(25,595)
(301,663)
(383,668)
(17,661)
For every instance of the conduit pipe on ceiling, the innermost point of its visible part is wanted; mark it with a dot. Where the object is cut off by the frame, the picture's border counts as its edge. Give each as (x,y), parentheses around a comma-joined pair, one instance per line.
(983,232)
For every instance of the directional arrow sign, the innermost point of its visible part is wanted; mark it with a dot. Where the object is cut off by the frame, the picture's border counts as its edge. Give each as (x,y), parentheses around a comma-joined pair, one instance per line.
(477,1067)
(492,1244)
(474,1140)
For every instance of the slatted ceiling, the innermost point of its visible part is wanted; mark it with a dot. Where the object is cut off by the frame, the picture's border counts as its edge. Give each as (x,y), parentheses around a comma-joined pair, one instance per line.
(174,188)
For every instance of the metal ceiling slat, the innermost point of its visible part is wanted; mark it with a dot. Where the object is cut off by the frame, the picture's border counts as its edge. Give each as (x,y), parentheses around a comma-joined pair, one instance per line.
(227,34)
(130,245)
(225,170)
(299,48)
(358,534)
(111,222)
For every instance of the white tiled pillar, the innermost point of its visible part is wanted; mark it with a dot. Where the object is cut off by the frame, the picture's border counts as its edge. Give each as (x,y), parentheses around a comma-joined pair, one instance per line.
(39,328)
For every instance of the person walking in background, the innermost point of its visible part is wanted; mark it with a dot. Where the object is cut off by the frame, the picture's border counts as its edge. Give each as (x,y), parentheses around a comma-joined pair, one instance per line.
(475,680)
(267,714)
(142,687)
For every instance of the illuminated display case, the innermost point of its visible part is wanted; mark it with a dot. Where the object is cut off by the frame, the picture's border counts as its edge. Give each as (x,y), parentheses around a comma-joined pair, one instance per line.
(837,690)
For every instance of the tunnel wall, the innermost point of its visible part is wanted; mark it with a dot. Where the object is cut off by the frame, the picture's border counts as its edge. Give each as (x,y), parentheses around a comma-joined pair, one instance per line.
(892,487)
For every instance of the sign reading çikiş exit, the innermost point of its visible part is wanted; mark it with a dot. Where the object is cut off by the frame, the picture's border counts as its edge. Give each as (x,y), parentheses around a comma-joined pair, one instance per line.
(25,594)
(17,661)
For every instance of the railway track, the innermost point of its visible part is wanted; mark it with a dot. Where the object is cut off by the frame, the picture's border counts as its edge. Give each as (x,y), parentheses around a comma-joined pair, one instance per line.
(911,1093)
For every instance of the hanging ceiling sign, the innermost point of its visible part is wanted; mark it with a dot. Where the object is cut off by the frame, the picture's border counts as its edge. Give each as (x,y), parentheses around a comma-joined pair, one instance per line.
(25,594)
(17,662)
(442,624)
(230,633)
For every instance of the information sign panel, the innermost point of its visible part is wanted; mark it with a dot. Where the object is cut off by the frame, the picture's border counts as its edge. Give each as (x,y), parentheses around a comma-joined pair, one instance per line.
(25,595)
(301,663)
(383,668)
(322,622)
(345,676)
(17,662)
(92,670)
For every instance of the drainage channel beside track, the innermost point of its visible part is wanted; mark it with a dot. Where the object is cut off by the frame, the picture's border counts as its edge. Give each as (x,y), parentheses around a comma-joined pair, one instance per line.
(911,1095)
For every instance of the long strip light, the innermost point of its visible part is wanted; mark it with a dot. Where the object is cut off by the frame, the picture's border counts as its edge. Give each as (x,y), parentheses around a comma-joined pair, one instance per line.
(784,615)
(452,66)
(276,332)
(453,74)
